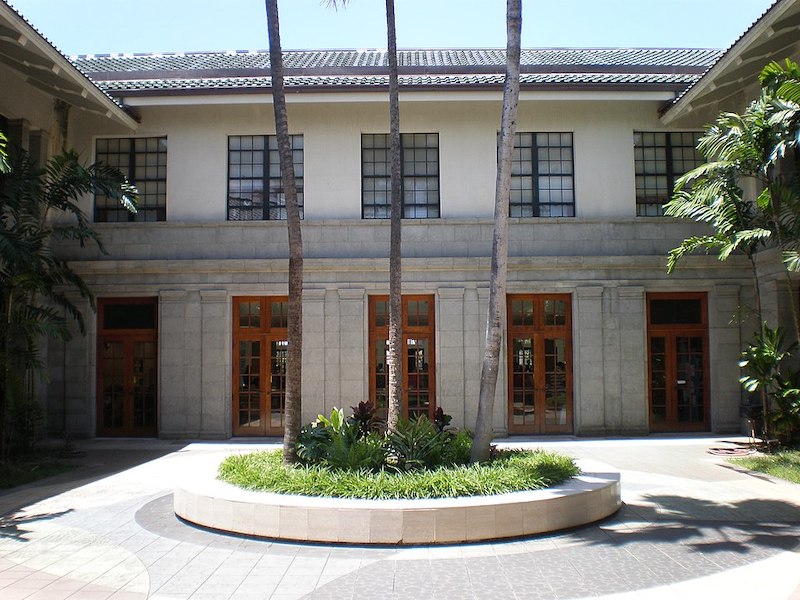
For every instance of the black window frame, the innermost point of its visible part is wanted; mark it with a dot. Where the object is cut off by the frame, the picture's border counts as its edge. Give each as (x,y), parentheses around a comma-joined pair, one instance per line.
(270,178)
(531,150)
(152,203)
(656,171)
(379,177)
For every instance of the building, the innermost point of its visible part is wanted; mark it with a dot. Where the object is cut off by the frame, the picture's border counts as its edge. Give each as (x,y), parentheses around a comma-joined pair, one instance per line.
(189,337)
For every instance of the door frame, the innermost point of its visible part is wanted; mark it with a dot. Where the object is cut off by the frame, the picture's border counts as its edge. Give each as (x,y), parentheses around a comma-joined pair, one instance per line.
(672,331)
(376,333)
(265,334)
(127,337)
(538,332)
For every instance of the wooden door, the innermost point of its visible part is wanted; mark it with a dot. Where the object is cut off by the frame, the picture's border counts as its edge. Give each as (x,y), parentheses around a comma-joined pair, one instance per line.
(539,363)
(127,366)
(259,365)
(418,352)
(678,362)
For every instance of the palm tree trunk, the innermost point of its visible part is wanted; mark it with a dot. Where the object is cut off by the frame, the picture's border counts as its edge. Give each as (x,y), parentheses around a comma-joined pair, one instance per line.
(394,359)
(294,352)
(497,283)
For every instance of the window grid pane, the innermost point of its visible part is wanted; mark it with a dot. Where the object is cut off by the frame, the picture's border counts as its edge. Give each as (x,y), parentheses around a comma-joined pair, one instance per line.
(254,170)
(419,176)
(660,158)
(542,183)
(144,162)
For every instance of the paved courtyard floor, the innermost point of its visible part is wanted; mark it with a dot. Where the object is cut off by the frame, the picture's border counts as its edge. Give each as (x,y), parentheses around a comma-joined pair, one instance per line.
(691,527)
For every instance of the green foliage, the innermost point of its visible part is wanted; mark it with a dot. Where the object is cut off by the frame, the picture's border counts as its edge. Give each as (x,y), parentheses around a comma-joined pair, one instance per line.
(416,444)
(353,443)
(511,472)
(765,371)
(785,465)
(5,167)
(35,285)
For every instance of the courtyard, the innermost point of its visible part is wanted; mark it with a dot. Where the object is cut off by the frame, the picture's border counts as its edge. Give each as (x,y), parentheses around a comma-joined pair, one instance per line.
(691,526)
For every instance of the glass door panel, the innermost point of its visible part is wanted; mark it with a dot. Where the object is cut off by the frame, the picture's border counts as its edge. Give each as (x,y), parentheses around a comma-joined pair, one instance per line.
(689,381)
(277,386)
(112,385)
(522,391)
(144,384)
(658,380)
(417,376)
(381,379)
(555,377)
(249,392)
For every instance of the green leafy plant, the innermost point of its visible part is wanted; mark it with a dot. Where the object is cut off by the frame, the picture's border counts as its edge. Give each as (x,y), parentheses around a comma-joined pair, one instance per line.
(416,444)
(765,371)
(511,471)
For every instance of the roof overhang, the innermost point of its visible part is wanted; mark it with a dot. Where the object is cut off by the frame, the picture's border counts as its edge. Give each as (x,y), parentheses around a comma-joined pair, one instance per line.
(41,65)
(775,36)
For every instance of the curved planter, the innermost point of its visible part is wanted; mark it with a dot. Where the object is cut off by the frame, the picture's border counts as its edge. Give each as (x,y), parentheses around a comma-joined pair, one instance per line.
(583,499)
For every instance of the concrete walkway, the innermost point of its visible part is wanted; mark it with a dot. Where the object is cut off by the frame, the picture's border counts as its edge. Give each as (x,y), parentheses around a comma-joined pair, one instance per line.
(691,527)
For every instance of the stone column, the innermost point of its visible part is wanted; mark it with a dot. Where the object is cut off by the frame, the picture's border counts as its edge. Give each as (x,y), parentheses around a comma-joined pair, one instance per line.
(589,349)
(633,367)
(173,419)
(332,371)
(352,347)
(450,354)
(724,347)
(216,400)
(313,354)
(474,338)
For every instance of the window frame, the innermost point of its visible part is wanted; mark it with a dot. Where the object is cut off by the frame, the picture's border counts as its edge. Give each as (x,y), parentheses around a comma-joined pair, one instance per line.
(406,207)
(143,211)
(536,177)
(273,185)
(672,144)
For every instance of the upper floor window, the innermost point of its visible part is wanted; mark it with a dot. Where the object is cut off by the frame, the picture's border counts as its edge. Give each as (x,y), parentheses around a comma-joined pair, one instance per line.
(542,183)
(144,162)
(420,176)
(254,172)
(661,158)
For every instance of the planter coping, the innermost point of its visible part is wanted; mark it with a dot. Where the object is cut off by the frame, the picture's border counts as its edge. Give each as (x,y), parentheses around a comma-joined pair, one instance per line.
(586,498)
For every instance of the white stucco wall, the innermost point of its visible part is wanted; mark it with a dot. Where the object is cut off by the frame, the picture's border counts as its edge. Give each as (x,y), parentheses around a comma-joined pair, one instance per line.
(467,125)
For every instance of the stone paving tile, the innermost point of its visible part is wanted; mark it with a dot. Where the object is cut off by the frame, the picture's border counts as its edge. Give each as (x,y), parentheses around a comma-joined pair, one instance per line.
(685,520)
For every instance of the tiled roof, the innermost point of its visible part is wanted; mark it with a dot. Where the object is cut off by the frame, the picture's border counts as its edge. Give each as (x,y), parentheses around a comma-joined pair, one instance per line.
(336,81)
(174,73)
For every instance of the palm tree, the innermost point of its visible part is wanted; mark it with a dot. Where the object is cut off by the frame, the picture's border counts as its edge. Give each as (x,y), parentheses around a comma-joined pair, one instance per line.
(394,358)
(35,284)
(294,352)
(497,284)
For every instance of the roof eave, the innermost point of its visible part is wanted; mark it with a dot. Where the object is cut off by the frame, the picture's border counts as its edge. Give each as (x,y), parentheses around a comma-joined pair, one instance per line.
(706,84)
(76,88)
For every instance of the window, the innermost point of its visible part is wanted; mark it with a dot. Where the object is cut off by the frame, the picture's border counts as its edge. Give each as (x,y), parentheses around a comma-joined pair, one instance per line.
(254,166)
(419,174)
(542,182)
(144,162)
(660,159)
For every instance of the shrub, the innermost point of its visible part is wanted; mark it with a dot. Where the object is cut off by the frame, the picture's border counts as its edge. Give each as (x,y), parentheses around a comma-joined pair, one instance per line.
(353,443)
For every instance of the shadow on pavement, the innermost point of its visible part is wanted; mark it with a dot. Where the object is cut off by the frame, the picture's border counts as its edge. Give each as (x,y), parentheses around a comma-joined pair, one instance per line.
(97,459)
